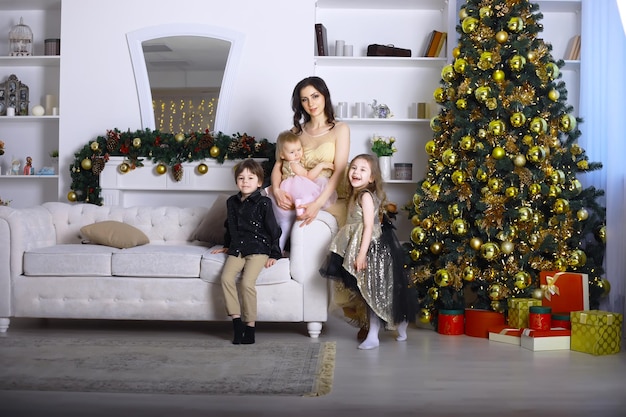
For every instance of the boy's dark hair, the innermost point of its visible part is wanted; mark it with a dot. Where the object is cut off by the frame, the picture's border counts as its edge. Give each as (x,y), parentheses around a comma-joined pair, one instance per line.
(251,165)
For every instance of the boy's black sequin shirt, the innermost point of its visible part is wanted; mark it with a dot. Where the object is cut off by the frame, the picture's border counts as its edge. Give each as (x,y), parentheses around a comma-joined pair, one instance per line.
(251,227)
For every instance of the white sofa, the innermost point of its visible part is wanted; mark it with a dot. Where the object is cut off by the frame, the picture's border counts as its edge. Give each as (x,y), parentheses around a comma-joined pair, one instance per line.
(47,272)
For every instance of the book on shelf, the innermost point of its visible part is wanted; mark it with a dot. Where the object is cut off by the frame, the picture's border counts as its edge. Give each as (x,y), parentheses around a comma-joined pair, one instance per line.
(573,49)
(321,40)
(435,44)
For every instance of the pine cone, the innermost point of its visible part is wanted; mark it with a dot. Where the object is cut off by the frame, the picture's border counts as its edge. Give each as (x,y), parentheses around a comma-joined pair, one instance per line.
(177,172)
(111,144)
(97,165)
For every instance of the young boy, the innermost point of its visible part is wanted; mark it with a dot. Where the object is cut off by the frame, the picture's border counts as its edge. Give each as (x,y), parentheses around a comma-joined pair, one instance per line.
(251,242)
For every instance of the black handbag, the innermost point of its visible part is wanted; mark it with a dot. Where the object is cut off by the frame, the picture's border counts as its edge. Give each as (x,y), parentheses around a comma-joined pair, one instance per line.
(387,50)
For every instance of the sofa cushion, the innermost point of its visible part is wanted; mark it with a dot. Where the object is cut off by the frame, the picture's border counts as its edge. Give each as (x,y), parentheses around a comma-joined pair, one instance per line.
(69,260)
(181,261)
(211,229)
(213,263)
(113,233)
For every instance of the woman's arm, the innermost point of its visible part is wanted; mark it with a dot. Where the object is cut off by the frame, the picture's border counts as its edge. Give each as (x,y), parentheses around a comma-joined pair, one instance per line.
(342,150)
(367,203)
(281,197)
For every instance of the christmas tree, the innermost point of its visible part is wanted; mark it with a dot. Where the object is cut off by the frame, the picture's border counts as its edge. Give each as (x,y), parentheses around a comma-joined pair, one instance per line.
(501,199)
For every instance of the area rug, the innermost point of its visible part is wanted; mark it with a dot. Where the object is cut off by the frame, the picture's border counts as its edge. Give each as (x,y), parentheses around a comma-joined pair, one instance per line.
(193,366)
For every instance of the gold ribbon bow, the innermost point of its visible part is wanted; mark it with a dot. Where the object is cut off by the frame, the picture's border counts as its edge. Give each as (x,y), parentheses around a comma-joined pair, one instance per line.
(549,288)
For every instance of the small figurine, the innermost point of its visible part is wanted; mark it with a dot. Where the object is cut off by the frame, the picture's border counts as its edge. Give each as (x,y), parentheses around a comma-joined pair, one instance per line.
(381,111)
(15,167)
(28,168)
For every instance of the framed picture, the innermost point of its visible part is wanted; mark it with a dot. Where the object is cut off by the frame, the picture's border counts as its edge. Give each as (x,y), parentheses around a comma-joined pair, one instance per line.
(13,93)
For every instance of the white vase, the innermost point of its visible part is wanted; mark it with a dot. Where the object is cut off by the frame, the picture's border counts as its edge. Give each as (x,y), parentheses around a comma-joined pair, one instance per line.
(385,167)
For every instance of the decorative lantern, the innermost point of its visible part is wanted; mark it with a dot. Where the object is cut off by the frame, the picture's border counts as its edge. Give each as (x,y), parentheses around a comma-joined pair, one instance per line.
(21,40)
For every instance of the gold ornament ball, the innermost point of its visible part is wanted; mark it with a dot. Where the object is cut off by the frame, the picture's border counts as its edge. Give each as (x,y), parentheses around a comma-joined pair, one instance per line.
(601,234)
(511,192)
(538,125)
(560,206)
(522,280)
(528,140)
(203,169)
(415,255)
(519,160)
(442,277)
(418,235)
(606,287)
(433,293)
(427,223)
(463,13)
(458,177)
(447,73)
(517,119)
(560,264)
(525,214)
(482,93)
(497,127)
(86,164)
(582,214)
(498,76)
(576,149)
(435,124)
(487,58)
(136,142)
(95,146)
(554,191)
(461,104)
(459,65)
(552,70)
(123,167)
(454,210)
(415,220)
(179,137)
(481,175)
(515,24)
(466,143)
(161,169)
(494,184)
(475,243)
(456,52)
(214,151)
(567,123)
(485,12)
(532,56)
(537,294)
(536,154)
(459,227)
(435,189)
(507,247)
(517,62)
(495,292)
(439,95)
(498,152)
(71,196)
(489,251)
(430,147)
(502,36)
(449,157)
(553,95)
(469,24)
(424,316)
(469,273)
(482,133)
(577,258)
(583,165)
(436,248)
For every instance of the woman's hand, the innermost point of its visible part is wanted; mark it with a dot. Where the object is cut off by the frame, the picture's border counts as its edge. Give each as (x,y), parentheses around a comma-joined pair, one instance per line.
(310,212)
(283,199)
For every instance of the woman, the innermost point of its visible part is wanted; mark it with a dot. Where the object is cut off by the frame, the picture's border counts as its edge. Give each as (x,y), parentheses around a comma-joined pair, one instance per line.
(323,139)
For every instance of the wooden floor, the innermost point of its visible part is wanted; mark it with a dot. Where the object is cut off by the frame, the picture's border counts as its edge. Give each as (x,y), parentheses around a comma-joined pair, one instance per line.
(429,375)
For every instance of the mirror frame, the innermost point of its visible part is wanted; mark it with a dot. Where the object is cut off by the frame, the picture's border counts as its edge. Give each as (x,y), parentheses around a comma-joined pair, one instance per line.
(144,93)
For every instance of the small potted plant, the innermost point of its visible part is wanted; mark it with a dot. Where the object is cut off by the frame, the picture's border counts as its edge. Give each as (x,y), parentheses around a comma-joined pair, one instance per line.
(384,147)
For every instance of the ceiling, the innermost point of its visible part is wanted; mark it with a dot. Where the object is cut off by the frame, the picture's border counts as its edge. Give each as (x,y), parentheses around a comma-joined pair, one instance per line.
(186,53)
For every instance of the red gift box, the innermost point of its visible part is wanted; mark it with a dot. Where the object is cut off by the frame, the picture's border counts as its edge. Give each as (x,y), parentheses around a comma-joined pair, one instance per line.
(450,322)
(478,322)
(505,334)
(564,291)
(553,339)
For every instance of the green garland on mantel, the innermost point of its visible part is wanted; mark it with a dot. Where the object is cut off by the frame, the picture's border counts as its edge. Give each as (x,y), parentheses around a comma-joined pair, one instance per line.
(165,149)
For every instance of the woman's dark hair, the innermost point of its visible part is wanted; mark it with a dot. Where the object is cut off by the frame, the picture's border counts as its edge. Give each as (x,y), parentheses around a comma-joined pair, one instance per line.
(300,116)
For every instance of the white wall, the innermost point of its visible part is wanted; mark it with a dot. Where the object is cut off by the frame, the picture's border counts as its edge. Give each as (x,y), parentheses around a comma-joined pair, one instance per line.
(98,89)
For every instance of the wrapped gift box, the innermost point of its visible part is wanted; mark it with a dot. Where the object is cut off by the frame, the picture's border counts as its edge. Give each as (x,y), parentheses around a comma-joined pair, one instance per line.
(553,339)
(519,310)
(451,322)
(564,291)
(596,332)
(505,334)
(478,322)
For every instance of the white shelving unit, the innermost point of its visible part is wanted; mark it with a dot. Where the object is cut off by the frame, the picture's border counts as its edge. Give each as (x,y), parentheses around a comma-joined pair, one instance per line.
(399,82)
(34,136)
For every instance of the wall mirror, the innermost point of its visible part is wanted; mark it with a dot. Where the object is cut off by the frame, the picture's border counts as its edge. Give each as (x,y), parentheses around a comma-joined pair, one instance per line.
(184,75)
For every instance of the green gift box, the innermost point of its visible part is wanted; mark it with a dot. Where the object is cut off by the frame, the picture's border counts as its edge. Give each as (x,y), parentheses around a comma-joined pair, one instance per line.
(519,311)
(596,332)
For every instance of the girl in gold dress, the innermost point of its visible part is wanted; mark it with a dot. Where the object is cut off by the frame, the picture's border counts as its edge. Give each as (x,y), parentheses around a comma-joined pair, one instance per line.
(366,257)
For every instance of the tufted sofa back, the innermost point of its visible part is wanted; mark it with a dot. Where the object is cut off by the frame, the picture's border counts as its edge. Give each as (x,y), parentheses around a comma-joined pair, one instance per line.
(164,224)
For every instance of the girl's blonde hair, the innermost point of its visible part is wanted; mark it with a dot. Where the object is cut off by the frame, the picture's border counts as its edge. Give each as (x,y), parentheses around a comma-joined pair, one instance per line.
(375,187)
(284,137)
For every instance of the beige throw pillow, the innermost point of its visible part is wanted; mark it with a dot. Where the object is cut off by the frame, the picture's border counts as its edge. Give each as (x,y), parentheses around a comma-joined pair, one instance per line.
(113,233)
(211,229)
